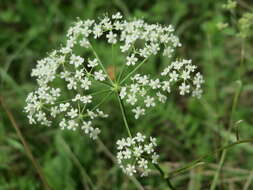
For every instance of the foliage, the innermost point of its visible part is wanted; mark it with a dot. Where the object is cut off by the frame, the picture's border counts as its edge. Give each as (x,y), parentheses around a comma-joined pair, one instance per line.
(187,128)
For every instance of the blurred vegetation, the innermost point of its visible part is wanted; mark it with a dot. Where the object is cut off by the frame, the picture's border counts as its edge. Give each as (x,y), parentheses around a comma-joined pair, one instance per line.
(217,37)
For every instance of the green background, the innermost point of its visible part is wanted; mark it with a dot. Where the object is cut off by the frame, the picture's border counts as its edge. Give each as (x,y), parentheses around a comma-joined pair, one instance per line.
(186,128)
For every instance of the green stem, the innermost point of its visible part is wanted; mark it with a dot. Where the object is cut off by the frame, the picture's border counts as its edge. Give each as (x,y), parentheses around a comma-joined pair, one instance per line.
(102,101)
(121,72)
(101,64)
(133,71)
(76,161)
(224,152)
(123,111)
(200,159)
(100,82)
(164,176)
(110,155)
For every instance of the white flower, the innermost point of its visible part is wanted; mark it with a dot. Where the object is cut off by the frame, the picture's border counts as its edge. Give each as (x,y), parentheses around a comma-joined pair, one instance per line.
(86,99)
(76,60)
(139,137)
(94,133)
(63,124)
(130,141)
(153,141)
(93,63)
(85,83)
(99,75)
(65,75)
(119,157)
(91,114)
(138,112)
(72,84)
(137,42)
(121,144)
(72,113)
(125,47)
(64,107)
(134,154)
(55,92)
(77,97)
(131,60)
(127,154)
(123,92)
(198,80)
(185,75)
(197,92)
(85,43)
(72,125)
(134,88)
(87,127)
(168,52)
(130,170)
(101,113)
(143,163)
(154,84)
(166,86)
(138,150)
(131,99)
(149,101)
(162,98)
(184,89)
(112,38)
(89,130)
(142,92)
(106,23)
(173,76)
(149,148)
(79,74)
(143,80)
(54,111)
(117,16)
(41,116)
(97,30)
(155,158)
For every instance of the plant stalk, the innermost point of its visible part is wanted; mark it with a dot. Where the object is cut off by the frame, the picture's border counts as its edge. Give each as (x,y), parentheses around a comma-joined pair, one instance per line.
(166,178)
(101,64)
(224,152)
(200,159)
(123,111)
(134,70)
(25,144)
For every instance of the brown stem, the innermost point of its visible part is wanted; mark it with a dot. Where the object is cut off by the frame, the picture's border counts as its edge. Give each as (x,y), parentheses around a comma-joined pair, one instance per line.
(26,146)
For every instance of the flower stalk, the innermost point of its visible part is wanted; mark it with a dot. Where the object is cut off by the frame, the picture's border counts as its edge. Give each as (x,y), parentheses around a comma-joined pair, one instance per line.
(123,111)
(166,178)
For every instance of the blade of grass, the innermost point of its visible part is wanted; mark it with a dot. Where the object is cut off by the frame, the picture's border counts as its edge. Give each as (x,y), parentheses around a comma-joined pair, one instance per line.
(248,182)
(200,160)
(78,164)
(26,146)
(5,77)
(224,153)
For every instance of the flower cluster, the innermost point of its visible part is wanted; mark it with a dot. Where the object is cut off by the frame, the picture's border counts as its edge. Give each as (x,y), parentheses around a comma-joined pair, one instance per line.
(138,41)
(48,102)
(145,91)
(136,154)
(70,85)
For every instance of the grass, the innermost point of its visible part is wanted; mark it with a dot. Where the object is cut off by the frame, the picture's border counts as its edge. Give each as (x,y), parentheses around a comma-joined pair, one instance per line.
(187,128)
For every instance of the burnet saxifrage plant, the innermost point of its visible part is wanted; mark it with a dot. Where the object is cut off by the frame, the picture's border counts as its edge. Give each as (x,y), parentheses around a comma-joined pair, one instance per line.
(138,41)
